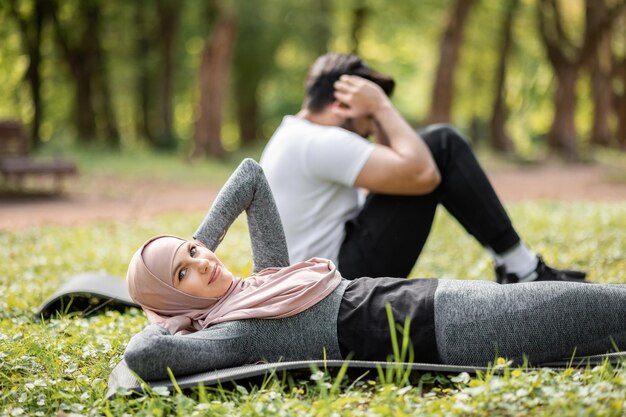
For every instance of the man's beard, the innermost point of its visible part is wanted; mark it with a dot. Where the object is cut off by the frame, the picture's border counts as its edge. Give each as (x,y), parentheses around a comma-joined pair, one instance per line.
(348,124)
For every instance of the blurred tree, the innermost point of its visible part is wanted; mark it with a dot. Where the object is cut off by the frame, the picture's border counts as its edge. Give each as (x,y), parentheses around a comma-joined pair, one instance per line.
(619,96)
(214,71)
(155,80)
(322,29)
(566,59)
(451,41)
(618,58)
(360,12)
(145,78)
(78,36)
(259,36)
(620,102)
(169,13)
(601,89)
(30,17)
(500,139)
(136,63)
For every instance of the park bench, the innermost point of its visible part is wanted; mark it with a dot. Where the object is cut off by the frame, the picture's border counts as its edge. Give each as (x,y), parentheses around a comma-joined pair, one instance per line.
(15,162)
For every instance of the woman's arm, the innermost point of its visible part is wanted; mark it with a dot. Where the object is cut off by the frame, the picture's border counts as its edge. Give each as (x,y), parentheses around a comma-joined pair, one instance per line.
(311,334)
(247,189)
(150,352)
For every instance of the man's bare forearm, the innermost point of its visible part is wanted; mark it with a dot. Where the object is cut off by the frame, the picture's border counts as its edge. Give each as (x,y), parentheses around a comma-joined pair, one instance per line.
(379,135)
(401,137)
(404,165)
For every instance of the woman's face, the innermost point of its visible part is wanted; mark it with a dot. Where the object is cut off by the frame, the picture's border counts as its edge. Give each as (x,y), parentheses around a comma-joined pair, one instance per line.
(198,272)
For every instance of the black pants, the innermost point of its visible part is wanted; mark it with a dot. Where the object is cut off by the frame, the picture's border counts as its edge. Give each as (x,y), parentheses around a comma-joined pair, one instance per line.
(389,233)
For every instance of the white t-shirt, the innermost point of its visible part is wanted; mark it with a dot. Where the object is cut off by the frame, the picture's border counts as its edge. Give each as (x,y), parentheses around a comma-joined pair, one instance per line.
(311,169)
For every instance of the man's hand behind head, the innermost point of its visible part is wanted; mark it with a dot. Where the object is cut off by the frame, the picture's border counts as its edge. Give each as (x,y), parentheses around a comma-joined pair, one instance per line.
(357,97)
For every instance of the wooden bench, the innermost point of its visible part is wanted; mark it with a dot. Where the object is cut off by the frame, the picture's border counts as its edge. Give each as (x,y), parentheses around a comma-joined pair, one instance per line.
(15,162)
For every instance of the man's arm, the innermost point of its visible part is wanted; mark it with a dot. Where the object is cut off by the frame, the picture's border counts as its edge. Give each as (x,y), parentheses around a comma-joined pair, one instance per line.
(405,166)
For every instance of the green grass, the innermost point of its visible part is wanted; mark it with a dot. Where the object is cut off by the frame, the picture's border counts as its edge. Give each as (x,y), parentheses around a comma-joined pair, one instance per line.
(63,364)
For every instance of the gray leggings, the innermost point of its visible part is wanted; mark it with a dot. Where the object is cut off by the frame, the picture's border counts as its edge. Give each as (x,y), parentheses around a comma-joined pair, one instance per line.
(475,321)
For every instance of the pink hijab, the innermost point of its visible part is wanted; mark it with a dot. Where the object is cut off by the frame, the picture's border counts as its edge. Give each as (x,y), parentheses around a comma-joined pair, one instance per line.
(271,294)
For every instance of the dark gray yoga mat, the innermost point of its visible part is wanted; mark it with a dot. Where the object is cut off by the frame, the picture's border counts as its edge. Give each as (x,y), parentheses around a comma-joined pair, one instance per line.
(122,378)
(88,293)
(91,293)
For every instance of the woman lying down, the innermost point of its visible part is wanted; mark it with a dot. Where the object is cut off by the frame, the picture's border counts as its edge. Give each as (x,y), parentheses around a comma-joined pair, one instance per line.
(203,318)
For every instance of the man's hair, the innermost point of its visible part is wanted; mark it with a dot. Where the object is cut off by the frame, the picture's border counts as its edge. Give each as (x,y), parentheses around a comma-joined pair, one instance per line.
(328,68)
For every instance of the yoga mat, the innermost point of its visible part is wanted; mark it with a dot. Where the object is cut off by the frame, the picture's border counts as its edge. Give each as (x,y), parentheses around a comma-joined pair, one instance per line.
(92,292)
(122,378)
(87,293)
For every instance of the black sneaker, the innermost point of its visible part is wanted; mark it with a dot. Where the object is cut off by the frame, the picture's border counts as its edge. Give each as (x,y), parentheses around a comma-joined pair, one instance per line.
(542,273)
(501,274)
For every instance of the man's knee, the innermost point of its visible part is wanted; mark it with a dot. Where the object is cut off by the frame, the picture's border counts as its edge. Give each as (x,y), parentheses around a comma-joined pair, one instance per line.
(445,137)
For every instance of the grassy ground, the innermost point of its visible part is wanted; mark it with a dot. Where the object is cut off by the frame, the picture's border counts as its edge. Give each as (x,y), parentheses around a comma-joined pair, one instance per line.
(63,364)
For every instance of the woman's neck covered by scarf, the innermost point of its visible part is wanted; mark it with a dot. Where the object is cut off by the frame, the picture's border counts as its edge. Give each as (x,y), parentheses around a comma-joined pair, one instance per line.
(273,293)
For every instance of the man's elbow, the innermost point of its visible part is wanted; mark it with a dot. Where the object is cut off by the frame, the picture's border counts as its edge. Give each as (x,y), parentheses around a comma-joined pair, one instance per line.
(435,178)
(429,180)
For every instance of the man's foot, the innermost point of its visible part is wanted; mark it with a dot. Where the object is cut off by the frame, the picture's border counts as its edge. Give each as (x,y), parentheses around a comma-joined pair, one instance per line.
(542,273)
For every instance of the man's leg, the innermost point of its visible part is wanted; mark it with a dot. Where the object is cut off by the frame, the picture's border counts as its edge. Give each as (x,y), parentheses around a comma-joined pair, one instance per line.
(465,191)
(387,236)
(389,233)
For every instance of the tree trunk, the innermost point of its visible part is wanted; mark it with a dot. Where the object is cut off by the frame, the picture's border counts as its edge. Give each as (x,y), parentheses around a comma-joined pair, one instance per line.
(256,41)
(443,90)
(91,45)
(620,102)
(601,88)
(30,32)
(143,93)
(86,63)
(500,140)
(567,59)
(248,112)
(214,70)
(109,121)
(321,27)
(563,136)
(359,16)
(84,113)
(34,76)
(169,12)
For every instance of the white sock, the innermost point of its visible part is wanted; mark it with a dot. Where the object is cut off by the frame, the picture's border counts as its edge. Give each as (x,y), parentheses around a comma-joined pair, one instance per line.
(518,260)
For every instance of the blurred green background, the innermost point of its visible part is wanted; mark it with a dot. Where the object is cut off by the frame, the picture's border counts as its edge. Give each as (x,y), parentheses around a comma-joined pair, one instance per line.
(204,78)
